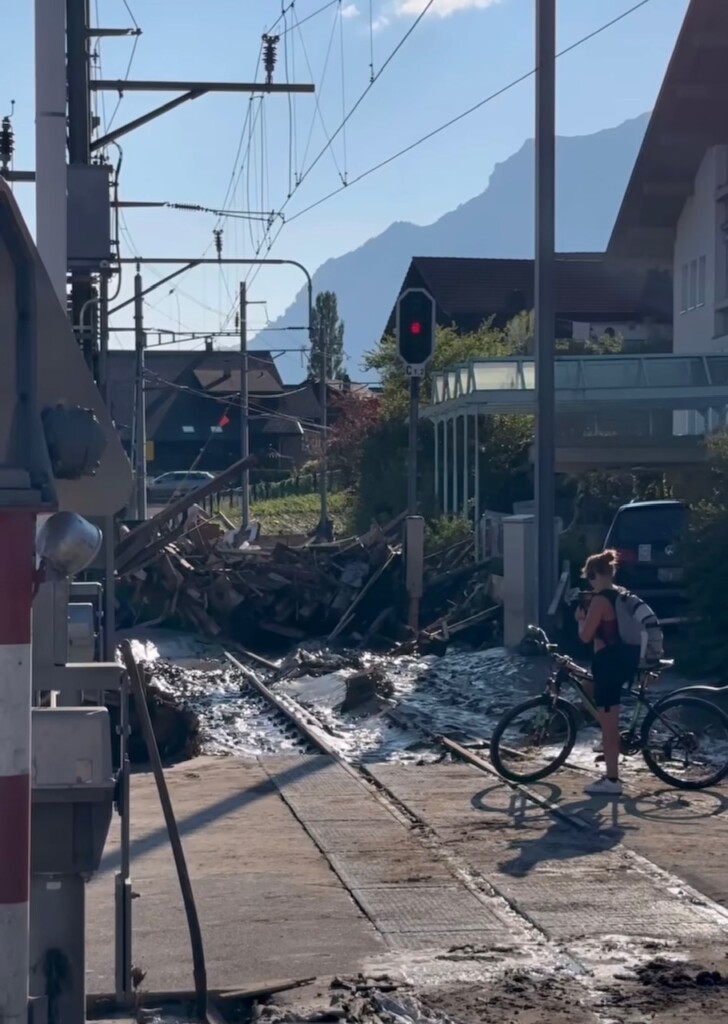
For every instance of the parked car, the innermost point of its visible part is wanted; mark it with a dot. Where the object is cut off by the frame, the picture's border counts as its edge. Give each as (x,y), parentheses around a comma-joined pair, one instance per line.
(173,485)
(647,535)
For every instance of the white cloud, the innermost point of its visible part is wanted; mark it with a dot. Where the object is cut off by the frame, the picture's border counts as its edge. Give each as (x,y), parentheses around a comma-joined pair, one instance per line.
(380,23)
(440,8)
(350,11)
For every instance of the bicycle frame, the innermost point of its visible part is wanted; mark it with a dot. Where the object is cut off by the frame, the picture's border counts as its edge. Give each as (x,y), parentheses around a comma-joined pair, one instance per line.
(569,672)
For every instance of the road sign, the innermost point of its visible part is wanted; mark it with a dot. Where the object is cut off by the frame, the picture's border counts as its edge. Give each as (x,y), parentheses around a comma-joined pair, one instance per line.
(415,330)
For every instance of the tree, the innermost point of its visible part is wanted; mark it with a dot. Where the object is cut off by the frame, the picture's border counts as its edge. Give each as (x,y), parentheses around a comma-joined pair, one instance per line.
(327,331)
(357,417)
(450,348)
(503,441)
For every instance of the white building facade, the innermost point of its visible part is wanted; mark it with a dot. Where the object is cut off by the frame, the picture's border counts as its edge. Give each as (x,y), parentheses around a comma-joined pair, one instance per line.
(700,265)
(700,274)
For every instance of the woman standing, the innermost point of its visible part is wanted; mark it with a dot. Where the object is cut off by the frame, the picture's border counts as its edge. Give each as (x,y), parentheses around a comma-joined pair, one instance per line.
(611,663)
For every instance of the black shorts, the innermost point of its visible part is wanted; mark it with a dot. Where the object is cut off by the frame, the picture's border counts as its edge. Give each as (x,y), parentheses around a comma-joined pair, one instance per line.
(611,669)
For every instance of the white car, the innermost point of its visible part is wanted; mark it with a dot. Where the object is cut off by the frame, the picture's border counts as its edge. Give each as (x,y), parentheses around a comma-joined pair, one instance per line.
(173,485)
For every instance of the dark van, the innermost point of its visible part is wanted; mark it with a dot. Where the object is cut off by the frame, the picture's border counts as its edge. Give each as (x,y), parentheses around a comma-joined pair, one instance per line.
(647,535)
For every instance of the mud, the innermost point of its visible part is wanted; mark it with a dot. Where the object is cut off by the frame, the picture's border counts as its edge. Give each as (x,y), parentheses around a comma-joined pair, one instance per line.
(671,991)
(516,996)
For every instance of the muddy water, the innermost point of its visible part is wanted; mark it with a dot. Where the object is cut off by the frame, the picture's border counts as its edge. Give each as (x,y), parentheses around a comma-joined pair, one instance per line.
(461,695)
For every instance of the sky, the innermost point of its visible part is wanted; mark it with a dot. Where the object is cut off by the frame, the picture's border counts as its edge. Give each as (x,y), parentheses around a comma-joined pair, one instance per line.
(276,156)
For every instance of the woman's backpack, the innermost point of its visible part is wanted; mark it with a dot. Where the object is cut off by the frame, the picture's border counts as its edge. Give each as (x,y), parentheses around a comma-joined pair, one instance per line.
(639,627)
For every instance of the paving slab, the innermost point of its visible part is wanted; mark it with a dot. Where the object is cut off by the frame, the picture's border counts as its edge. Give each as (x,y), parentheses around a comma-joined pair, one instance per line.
(685,833)
(570,883)
(298,869)
(428,910)
(399,905)
(269,903)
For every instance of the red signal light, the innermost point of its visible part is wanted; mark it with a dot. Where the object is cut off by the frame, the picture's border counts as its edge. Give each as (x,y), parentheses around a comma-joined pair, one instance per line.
(416,327)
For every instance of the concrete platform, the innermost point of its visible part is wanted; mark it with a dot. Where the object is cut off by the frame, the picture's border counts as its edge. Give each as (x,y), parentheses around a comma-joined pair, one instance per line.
(270,905)
(300,869)
(571,884)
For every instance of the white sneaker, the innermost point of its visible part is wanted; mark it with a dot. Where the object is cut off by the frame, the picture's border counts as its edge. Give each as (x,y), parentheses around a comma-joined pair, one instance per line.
(604,787)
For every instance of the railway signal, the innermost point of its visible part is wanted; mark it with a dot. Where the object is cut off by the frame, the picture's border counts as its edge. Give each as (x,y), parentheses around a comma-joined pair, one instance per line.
(415,334)
(415,330)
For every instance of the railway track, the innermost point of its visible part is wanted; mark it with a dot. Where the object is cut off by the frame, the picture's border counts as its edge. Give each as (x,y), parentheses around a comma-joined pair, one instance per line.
(556,953)
(315,738)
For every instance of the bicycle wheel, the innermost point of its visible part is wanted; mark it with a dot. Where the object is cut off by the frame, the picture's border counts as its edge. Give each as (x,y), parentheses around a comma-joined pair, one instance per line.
(685,742)
(525,751)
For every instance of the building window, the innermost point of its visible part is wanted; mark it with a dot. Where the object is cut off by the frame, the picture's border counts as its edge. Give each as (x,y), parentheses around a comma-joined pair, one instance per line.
(216,429)
(701,281)
(684,288)
(188,430)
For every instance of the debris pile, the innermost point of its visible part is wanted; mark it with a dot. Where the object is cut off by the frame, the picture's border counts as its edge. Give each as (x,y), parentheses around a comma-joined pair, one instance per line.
(188,570)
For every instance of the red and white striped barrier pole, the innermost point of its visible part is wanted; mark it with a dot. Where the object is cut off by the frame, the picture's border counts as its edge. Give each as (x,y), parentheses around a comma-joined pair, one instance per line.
(17,546)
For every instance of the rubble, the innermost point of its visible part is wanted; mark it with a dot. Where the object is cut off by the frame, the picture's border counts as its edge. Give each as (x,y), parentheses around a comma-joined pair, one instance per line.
(192,571)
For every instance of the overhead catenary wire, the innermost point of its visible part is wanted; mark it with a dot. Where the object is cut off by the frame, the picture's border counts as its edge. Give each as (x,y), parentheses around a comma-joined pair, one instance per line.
(265,241)
(257,411)
(343,86)
(371,40)
(287,8)
(449,123)
(291,105)
(318,113)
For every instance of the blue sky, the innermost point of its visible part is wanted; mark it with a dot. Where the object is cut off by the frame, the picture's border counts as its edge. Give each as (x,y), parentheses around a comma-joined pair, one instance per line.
(460,52)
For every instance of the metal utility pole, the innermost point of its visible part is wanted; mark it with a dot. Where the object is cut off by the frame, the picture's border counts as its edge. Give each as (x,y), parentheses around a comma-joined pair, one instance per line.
(324,399)
(140,412)
(414,416)
(233,261)
(50,141)
(244,403)
(545,311)
(79,138)
(415,335)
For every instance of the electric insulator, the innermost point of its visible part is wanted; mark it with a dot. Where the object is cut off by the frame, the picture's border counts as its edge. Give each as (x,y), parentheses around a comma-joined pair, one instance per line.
(270,55)
(7,142)
(218,241)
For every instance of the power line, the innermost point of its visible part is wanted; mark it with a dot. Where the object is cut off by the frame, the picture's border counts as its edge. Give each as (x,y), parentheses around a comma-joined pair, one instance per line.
(286,8)
(131,14)
(459,117)
(254,271)
(259,412)
(317,102)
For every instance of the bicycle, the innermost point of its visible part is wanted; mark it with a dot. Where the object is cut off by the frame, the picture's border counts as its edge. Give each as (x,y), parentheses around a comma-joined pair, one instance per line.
(557,724)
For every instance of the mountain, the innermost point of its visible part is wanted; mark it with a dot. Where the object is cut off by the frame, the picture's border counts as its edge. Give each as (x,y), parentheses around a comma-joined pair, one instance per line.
(592,173)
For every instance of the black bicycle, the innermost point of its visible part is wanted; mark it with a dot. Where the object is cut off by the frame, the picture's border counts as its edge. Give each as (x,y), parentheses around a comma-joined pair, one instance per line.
(683,738)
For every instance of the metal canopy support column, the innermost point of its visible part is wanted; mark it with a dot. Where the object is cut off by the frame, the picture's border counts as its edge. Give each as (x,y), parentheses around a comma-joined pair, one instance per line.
(445,466)
(476,485)
(436,437)
(466,467)
(454,466)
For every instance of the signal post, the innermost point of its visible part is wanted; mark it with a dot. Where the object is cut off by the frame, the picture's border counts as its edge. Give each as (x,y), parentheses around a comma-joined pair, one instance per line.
(415,347)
